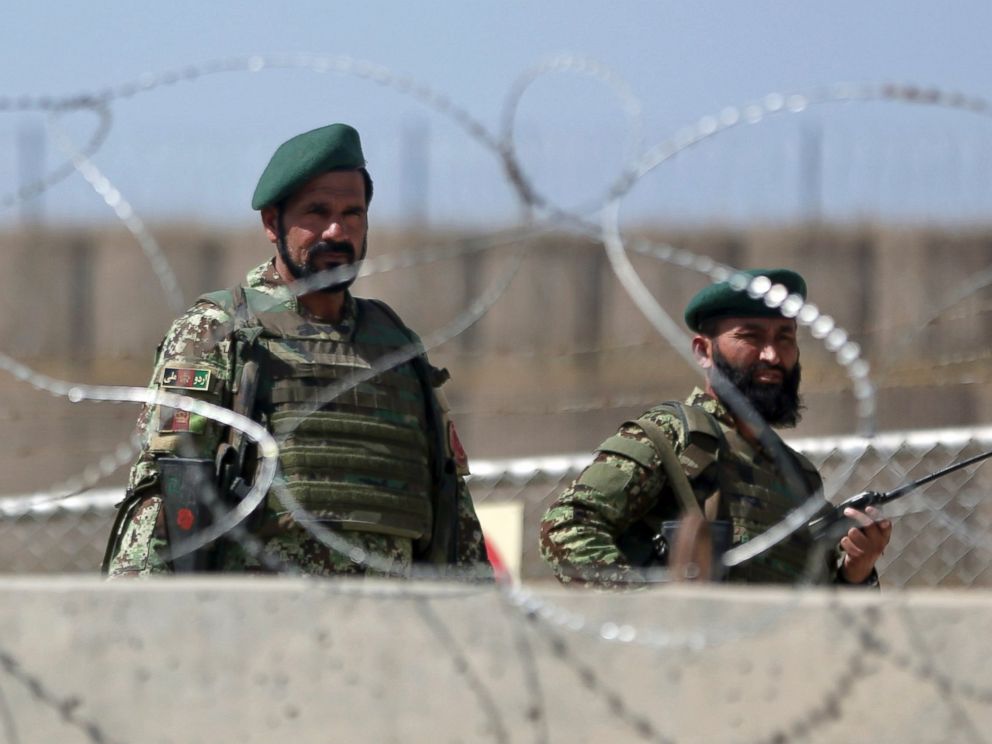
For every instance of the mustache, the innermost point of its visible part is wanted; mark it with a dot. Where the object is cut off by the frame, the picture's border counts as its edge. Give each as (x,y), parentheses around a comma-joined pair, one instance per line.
(779,404)
(331,246)
(766,367)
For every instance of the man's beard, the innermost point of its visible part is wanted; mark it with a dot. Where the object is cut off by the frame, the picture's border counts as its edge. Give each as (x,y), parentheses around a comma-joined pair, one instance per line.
(779,404)
(310,269)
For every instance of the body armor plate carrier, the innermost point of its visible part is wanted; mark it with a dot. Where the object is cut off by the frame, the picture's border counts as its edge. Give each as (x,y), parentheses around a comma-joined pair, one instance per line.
(733,487)
(354,444)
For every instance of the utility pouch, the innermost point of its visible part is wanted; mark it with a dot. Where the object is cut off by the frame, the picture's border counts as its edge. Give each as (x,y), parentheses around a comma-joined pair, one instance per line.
(721,534)
(232,485)
(188,491)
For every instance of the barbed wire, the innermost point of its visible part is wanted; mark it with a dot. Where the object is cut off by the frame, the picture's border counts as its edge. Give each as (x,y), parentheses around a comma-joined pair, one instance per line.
(702,637)
(589,678)
(53,107)
(823,326)
(65,707)
(706,127)
(113,198)
(497,727)
(541,215)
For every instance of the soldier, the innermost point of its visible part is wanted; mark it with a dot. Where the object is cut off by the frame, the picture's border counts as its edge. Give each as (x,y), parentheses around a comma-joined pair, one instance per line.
(704,460)
(371,459)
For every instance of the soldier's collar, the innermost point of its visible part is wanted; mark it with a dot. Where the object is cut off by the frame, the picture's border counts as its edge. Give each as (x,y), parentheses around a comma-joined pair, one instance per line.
(720,411)
(711,405)
(270,276)
(349,311)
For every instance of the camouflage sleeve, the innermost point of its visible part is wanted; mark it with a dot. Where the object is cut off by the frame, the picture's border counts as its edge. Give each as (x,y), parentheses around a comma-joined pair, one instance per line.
(471,548)
(194,359)
(580,531)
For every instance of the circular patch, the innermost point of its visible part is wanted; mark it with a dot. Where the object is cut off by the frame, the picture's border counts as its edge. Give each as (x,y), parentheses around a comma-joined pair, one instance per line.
(185,519)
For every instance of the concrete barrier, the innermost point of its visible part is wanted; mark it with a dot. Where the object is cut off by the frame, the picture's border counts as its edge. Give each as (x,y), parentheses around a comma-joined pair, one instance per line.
(288,660)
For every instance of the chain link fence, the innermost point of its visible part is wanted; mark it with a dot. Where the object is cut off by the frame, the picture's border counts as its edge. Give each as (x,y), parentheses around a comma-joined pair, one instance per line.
(942,533)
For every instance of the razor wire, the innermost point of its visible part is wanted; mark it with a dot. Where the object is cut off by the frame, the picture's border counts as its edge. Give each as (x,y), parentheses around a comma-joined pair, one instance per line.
(267,446)
(114,199)
(338,542)
(83,164)
(543,214)
(847,463)
(537,479)
(758,288)
(518,180)
(835,339)
(67,708)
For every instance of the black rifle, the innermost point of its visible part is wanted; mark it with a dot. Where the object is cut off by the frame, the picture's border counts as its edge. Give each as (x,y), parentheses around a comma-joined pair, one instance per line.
(830,520)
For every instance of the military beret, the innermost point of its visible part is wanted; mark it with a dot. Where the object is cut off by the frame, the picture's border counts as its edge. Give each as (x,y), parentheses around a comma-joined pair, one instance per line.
(720,300)
(296,161)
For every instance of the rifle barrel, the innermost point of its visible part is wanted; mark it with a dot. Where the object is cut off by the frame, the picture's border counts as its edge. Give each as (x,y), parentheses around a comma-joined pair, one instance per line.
(906,488)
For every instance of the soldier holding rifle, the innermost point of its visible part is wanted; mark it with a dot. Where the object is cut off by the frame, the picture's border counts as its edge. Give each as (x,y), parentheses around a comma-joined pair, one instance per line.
(709,462)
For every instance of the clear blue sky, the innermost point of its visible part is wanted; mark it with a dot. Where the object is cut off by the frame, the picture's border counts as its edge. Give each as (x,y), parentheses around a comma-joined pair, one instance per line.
(194,149)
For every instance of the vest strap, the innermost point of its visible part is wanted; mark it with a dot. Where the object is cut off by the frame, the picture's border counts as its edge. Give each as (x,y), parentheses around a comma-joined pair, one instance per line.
(641,453)
(285,392)
(673,468)
(341,425)
(346,505)
(704,440)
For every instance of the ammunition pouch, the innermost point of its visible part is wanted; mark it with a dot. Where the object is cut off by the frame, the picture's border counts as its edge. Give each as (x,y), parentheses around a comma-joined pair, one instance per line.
(189,496)
(713,483)
(232,486)
(721,533)
(663,539)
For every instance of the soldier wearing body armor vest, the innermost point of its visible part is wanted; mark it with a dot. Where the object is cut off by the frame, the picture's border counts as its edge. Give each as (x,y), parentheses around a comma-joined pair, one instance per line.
(710,466)
(370,472)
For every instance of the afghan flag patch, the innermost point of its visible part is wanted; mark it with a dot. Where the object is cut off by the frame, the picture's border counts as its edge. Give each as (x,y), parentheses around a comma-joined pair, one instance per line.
(174,420)
(180,421)
(186,378)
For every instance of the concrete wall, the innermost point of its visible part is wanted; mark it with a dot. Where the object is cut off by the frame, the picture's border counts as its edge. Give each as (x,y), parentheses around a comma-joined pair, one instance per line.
(288,660)
(555,364)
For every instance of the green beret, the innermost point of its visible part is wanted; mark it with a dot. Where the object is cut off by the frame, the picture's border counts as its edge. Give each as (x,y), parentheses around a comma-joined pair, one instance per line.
(334,147)
(720,300)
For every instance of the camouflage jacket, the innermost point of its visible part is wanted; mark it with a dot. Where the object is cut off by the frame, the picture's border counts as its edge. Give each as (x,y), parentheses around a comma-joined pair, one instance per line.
(619,499)
(139,539)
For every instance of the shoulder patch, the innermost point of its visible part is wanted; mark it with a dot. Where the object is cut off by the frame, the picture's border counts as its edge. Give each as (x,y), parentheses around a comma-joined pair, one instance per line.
(178,421)
(185,378)
(175,420)
(457,451)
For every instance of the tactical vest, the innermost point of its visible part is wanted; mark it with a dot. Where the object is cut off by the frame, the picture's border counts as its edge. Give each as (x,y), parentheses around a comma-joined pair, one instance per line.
(353,443)
(751,497)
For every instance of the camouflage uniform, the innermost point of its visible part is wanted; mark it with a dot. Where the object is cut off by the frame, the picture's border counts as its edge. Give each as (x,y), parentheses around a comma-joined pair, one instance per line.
(599,530)
(202,339)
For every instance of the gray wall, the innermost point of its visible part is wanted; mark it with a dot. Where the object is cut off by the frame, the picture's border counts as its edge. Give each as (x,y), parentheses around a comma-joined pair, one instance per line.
(553,367)
(256,660)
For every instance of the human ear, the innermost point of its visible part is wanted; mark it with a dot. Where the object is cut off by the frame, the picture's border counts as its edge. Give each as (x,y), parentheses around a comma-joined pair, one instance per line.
(270,222)
(702,349)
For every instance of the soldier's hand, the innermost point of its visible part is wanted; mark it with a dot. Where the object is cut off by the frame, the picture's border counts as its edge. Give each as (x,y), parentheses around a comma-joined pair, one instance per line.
(863,545)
